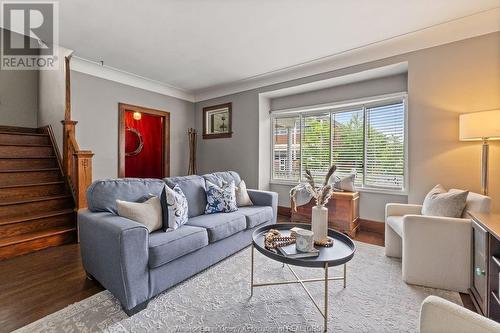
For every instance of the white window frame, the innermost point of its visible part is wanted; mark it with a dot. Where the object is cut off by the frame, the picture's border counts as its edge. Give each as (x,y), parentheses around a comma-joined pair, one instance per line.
(344,106)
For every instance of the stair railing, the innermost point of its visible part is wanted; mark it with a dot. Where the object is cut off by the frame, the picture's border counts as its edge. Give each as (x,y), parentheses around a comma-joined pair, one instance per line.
(77,164)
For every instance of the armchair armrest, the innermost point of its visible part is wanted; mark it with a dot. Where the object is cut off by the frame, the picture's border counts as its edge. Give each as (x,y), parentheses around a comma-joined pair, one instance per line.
(115,251)
(396,209)
(437,251)
(265,198)
(440,315)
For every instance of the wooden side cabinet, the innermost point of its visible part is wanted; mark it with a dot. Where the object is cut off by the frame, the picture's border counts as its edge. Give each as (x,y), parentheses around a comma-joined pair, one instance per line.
(343,212)
(485,268)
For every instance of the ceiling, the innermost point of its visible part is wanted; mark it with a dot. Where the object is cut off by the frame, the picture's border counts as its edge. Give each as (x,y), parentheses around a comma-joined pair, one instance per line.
(195,44)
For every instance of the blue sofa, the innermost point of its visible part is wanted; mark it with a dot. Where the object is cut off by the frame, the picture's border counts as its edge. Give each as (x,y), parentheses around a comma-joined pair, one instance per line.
(135,265)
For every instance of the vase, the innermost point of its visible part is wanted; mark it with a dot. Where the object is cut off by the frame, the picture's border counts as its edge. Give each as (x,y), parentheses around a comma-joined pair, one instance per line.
(319,223)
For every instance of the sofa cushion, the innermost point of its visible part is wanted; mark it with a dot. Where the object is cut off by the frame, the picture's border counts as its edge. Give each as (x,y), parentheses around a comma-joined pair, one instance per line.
(228,176)
(220,225)
(147,213)
(221,199)
(439,202)
(242,197)
(256,215)
(177,208)
(167,246)
(396,223)
(193,188)
(102,194)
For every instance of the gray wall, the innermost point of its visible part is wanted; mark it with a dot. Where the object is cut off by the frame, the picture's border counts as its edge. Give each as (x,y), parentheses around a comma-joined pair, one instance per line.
(374,87)
(52,97)
(443,82)
(18,97)
(95,107)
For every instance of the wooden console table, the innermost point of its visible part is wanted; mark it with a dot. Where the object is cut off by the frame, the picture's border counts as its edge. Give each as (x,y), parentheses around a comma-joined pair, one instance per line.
(343,212)
(485,268)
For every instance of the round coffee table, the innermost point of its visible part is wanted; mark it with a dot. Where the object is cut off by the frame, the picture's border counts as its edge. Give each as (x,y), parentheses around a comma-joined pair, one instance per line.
(339,254)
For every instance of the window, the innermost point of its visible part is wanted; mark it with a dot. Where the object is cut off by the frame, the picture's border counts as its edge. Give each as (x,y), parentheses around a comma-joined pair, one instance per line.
(364,137)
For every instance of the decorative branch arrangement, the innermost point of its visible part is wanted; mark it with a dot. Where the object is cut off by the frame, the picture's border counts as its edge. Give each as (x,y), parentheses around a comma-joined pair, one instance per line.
(192,151)
(321,193)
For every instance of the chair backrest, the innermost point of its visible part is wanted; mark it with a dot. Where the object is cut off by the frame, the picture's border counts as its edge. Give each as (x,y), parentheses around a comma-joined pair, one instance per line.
(477,203)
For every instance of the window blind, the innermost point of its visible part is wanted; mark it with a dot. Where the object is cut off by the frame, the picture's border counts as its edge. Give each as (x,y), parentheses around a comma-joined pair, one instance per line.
(368,139)
(384,157)
(348,143)
(316,144)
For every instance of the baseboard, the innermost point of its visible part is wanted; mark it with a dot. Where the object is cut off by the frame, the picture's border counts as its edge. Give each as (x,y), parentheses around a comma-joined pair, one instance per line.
(372,226)
(285,211)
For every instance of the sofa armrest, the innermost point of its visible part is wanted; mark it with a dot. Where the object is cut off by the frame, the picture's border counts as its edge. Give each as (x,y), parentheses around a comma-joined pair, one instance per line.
(265,198)
(439,315)
(115,251)
(396,209)
(437,251)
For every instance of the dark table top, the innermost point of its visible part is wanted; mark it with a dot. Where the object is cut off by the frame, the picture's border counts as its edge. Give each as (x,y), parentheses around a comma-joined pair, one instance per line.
(341,252)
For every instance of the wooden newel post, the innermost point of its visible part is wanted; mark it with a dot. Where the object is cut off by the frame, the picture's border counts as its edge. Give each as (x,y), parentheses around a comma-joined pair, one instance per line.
(83,164)
(68,131)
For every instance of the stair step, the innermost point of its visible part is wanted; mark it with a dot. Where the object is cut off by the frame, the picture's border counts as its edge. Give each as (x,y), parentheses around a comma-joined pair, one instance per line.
(34,241)
(32,190)
(36,216)
(30,176)
(24,151)
(37,222)
(19,129)
(24,138)
(26,207)
(28,162)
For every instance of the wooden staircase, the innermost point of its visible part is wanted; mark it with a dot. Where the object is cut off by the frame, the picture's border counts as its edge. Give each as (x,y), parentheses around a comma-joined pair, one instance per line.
(37,207)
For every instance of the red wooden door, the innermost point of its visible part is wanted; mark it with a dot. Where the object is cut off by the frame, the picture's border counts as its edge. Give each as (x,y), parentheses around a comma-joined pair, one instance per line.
(144,140)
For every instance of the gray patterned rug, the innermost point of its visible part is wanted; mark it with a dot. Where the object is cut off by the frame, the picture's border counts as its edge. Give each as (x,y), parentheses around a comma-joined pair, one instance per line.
(217,300)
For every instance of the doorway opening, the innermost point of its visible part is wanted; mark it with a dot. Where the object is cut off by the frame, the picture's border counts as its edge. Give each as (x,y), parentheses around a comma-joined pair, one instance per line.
(144,142)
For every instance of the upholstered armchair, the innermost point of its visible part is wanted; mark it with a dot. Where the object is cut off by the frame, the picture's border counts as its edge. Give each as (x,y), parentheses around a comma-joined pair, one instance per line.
(435,251)
(439,315)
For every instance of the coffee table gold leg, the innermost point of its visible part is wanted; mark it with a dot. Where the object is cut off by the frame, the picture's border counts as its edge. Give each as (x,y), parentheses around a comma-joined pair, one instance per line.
(345,275)
(325,314)
(251,276)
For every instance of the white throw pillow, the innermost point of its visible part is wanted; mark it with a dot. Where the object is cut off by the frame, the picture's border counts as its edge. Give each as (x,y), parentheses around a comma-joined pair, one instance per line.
(439,202)
(242,197)
(177,207)
(345,182)
(147,213)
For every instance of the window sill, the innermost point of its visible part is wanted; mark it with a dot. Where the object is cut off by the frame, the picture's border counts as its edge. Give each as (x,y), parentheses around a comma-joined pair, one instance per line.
(358,189)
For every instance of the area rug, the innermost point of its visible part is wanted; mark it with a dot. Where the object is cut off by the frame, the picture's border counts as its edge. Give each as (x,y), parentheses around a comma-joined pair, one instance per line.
(218,300)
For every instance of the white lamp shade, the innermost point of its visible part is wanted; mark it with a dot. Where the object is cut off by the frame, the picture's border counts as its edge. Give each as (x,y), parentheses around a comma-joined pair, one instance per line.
(482,125)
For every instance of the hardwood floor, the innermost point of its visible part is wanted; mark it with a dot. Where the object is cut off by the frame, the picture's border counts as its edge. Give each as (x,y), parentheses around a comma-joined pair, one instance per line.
(37,284)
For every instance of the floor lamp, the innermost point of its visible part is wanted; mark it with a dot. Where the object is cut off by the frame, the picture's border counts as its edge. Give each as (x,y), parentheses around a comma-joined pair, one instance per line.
(481,126)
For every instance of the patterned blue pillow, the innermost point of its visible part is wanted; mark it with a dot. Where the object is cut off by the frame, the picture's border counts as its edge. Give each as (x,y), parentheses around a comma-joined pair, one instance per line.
(221,199)
(177,207)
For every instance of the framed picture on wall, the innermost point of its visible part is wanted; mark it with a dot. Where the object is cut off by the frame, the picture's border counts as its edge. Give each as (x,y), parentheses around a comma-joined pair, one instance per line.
(217,121)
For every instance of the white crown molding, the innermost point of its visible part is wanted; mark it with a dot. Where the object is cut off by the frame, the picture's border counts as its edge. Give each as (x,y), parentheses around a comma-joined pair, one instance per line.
(452,31)
(113,74)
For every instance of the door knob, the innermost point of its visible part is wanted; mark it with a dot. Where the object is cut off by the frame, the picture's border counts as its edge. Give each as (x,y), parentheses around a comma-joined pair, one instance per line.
(480,272)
